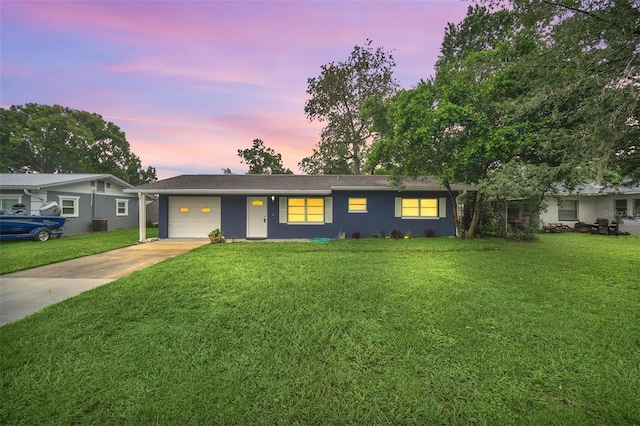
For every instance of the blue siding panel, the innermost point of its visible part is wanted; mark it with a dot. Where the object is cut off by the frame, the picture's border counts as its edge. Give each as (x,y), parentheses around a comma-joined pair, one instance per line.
(380,217)
(234,216)
(163,213)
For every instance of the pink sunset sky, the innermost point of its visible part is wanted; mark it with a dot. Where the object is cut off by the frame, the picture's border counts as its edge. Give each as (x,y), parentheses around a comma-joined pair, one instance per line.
(191,82)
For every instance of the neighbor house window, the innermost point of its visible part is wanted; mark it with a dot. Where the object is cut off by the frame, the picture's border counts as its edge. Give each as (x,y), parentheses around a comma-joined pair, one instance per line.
(621,207)
(357,205)
(305,210)
(419,207)
(568,210)
(122,207)
(8,202)
(70,206)
(636,207)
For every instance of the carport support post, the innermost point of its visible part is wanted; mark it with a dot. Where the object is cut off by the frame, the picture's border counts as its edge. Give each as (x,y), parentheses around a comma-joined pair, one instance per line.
(142,216)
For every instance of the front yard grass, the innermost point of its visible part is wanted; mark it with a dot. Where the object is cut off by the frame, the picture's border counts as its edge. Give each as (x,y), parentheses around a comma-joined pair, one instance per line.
(420,331)
(17,255)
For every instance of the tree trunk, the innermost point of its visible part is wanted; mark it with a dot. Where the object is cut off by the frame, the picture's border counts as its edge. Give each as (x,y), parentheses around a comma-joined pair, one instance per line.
(454,203)
(475,220)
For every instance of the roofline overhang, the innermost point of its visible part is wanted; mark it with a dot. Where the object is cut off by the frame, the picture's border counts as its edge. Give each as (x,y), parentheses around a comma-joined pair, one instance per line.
(67,182)
(228,191)
(411,188)
(187,191)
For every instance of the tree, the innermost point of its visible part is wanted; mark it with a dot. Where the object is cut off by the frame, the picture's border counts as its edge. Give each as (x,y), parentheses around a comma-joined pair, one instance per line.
(544,93)
(262,160)
(451,126)
(585,83)
(54,139)
(336,97)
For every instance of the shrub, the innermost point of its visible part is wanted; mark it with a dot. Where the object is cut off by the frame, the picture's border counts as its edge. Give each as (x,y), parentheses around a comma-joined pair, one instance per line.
(396,234)
(355,235)
(429,233)
(216,236)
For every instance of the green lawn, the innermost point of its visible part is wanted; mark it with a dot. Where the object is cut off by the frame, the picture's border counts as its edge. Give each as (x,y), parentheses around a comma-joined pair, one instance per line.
(420,331)
(16,255)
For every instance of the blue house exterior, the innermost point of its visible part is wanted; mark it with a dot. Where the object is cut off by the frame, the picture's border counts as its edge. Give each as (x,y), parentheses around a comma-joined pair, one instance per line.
(299,206)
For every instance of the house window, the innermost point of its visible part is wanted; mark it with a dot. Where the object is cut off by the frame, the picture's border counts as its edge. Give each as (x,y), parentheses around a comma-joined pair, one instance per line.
(357,205)
(419,207)
(7,202)
(122,207)
(621,207)
(636,207)
(568,210)
(70,206)
(305,210)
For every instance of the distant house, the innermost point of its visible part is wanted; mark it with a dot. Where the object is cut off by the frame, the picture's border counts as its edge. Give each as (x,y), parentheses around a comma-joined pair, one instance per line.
(589,203)
(91,202)
(298,206)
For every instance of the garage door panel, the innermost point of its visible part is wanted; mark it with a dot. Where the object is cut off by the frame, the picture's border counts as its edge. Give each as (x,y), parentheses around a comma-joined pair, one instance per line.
(193,217)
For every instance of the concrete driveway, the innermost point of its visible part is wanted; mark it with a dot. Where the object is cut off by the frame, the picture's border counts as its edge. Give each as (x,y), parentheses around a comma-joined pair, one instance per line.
(25,292)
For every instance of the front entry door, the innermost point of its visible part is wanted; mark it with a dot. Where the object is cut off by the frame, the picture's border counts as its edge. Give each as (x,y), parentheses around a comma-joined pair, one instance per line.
(256,217)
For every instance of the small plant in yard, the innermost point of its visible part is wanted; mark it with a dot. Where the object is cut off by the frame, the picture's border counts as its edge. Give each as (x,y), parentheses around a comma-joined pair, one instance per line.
(396,234)
(429,233)
(216,236)
(355,235)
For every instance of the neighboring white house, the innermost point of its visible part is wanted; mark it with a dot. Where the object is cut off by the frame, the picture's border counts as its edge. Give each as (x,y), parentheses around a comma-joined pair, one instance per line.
(91,202)
(591,202)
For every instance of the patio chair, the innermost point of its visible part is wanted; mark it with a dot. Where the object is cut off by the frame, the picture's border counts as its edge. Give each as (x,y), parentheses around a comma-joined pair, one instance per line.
(603,226)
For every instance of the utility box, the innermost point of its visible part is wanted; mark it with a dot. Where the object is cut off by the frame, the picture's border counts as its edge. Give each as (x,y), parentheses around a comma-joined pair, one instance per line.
(99,225)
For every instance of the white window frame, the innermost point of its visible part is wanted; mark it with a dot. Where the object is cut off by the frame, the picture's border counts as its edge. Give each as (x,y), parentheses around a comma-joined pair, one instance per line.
(76,205)
(126,207)
(10,197)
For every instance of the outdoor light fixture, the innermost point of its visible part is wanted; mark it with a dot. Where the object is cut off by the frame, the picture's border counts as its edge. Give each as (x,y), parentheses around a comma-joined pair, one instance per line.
(273,198)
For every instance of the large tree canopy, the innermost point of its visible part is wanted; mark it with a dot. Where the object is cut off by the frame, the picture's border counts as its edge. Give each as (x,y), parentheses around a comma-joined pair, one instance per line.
(336,97)
(541,90)
(262,160)
(450,126)
(583,84)
(54,139)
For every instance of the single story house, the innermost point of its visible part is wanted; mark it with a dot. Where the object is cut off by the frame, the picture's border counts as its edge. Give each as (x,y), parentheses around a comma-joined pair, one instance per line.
(298,206)
(589,203)
(90,202)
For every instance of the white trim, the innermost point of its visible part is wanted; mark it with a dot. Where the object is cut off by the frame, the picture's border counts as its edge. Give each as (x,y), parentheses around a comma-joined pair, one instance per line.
(11,197)
(76,205)
(328,210)
(282,218)
(257,192)
(442,207)
(126,206)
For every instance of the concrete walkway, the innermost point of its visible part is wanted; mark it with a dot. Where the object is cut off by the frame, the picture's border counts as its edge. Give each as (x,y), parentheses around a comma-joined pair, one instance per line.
(25,292)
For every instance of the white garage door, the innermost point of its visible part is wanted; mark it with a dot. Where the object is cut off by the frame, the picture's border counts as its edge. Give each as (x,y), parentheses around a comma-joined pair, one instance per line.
(193,217)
